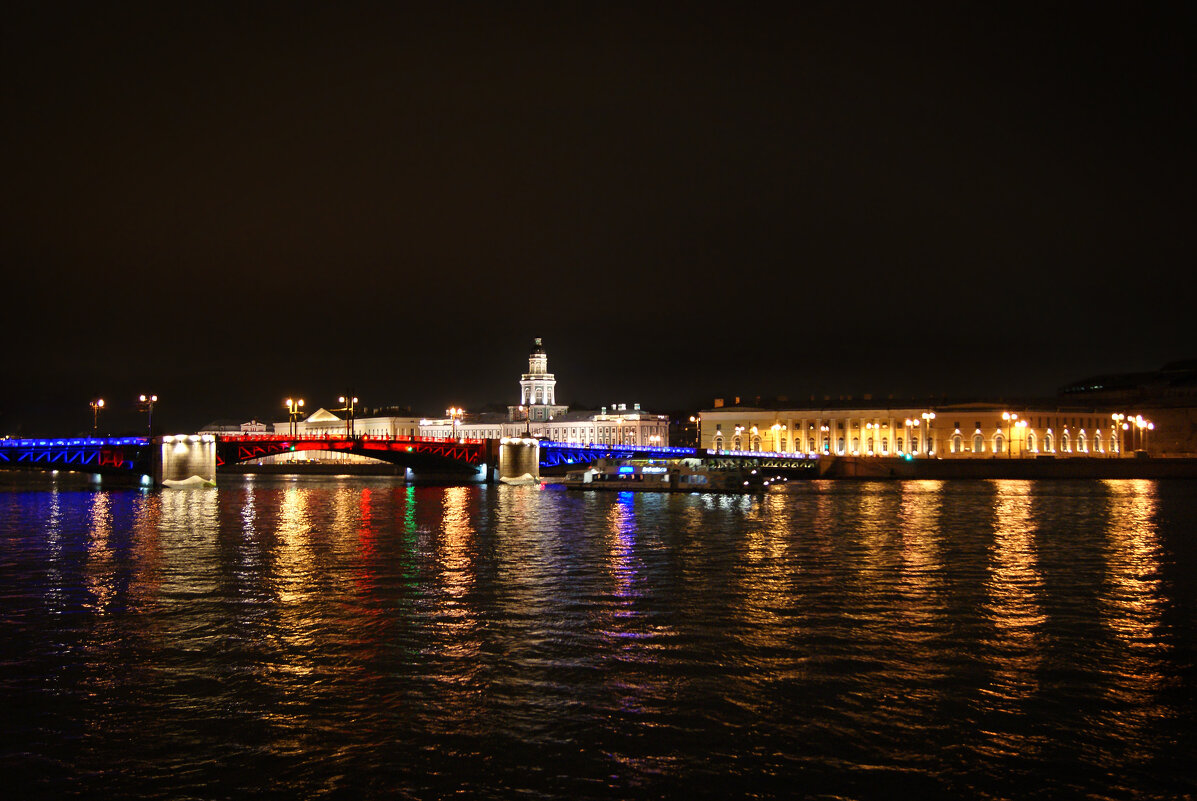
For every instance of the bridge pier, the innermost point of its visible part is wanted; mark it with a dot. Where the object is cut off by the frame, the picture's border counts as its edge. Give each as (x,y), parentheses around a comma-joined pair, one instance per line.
(184,459)
(519,458)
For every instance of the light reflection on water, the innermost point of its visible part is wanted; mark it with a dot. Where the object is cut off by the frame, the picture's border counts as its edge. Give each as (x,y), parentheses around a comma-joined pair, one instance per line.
(1005,639)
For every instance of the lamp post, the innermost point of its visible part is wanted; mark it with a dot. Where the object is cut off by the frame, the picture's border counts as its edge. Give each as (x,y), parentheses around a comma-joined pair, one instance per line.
(825,435)
(928,417)
(697,421)
(350,402)
(455,414)
(737,442)
(911,425)
(96,405)
(1012,420)
(1143,426)
(293,408)
(1118,428)
(147,402)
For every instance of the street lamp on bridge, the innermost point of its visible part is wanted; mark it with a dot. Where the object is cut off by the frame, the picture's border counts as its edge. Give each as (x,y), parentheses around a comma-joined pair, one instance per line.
(350,403)
(294,407)
(147,402)
(455,413)
(96,405)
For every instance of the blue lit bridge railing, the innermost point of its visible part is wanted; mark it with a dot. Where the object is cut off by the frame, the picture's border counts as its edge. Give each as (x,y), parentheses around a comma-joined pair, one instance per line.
(91,454)
(553,454)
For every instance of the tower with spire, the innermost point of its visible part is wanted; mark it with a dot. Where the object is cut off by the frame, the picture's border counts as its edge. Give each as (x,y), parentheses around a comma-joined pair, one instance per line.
(538,399)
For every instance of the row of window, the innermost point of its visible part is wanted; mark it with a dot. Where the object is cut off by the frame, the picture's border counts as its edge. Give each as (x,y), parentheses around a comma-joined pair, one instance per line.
(871,447)
(997,443)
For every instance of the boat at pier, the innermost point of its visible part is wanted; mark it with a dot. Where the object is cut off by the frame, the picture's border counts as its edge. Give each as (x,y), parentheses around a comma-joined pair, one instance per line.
(675,475)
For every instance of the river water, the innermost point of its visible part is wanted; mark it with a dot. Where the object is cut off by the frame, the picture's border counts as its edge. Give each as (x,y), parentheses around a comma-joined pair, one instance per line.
(358,638)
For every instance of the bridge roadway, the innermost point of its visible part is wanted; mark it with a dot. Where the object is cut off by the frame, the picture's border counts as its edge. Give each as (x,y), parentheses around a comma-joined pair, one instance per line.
(554,454)
(464,455)
(136,455)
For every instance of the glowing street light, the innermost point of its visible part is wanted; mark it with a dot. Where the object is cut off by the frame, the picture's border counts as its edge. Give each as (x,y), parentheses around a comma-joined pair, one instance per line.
(1143,427)
(928,417)
(455,413)
(777,428)
(147,402)
(96,405)
(697,421)
(294,407)
(1012,420)
(350,402)
(1118,426)
(911,425)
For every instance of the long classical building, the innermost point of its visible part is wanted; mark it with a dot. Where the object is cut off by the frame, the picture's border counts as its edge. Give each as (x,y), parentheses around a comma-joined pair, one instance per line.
(956,431)
(539,415)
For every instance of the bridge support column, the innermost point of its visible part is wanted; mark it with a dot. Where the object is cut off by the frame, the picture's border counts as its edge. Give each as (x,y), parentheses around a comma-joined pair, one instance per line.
(519,458)
(184,459)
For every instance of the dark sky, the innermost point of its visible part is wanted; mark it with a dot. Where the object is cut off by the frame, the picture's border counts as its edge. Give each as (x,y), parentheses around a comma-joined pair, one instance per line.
(228,206)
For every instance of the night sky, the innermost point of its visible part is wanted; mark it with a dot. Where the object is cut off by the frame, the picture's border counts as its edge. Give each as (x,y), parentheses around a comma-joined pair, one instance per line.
(228,206)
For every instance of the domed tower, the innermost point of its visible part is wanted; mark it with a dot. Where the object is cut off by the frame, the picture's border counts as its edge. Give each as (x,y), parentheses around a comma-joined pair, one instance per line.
(538,398)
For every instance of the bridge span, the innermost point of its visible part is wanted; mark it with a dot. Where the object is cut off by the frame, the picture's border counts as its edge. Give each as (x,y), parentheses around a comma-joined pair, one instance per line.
(182,457)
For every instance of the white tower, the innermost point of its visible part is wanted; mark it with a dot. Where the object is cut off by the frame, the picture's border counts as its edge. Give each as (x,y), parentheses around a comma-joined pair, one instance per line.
(538,400)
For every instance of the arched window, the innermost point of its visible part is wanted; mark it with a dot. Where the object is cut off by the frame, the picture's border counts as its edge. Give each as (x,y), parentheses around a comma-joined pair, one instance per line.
(1031,441)
(1082,445)
(855,444)
(884,446)
(1115,442)
(812,447)
(736,444)
(783,443)
(756,443)
(978,443)
(869,445)
(826,444)
(718,443)
(1049,442)
(839,446)
(898,440)
(1098,445)
(1065,444)
(957,443)
(999,443)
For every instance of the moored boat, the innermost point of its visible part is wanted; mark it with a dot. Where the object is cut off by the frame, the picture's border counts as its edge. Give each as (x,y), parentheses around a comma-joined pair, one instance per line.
(675,475)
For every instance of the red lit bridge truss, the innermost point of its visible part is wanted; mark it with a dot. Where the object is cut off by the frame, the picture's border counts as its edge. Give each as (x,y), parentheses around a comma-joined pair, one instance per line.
(427,452)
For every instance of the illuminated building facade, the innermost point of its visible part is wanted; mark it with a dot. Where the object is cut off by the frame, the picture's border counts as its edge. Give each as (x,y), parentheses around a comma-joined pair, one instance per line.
(538,389)
(539,415)
(949,431)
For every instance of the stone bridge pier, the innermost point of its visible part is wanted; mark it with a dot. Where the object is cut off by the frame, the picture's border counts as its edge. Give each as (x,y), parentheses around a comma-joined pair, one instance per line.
(519,457)
(184,459)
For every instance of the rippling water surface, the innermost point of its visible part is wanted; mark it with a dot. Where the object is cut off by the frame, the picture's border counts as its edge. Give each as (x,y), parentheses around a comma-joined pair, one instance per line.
(362,638)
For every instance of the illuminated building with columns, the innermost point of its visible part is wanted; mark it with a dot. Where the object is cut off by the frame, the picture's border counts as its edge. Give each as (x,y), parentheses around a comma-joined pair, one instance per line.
(539,415)
(947,431)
